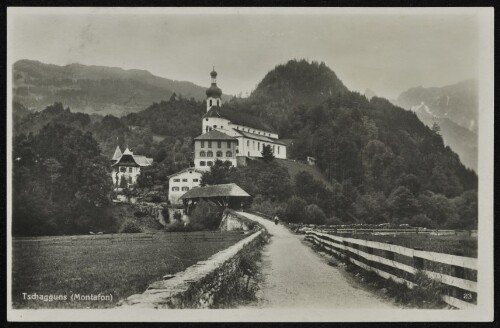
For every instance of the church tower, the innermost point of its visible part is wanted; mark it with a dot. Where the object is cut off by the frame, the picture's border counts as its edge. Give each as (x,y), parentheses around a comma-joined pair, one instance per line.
(214,93)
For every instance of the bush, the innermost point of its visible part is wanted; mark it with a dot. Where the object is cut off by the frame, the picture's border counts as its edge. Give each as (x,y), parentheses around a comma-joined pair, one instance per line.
(206,216)
(295,209)
(131,227)
(139,214)
(267,206)
(177,216)
(314,214)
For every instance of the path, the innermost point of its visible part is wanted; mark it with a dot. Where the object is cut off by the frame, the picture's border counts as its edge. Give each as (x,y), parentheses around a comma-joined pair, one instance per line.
(294,276)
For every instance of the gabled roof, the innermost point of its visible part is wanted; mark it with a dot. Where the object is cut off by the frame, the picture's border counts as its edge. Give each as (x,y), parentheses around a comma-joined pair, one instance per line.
(259,137)
(239,117)
(214,135)
(118,154)
(186,170)
(129,159)
(222,190)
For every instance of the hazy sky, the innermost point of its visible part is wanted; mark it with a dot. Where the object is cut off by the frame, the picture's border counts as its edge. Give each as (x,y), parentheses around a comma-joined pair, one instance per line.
(386,53)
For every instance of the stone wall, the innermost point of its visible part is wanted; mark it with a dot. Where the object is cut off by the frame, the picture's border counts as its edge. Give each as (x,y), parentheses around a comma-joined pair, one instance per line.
(231,221)
(199,285)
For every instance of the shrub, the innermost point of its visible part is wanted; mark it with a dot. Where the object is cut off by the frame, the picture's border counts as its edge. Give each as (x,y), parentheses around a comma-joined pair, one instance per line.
(131,227)
(267,206)
(295,209)
(177,216)
(139,214)
(206,216)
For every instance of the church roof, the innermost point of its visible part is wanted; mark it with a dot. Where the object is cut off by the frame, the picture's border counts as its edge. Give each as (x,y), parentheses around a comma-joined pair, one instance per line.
(238,117)
(222,190)
(214,135)
(214,91)
(259,137)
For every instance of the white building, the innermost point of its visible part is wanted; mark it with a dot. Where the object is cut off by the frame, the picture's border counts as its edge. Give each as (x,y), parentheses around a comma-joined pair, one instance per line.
(252,134)
(211,146)
(181,182)
(126,166)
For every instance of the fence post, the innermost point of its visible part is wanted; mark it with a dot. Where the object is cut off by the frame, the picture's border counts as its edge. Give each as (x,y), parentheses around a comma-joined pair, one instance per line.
(418,262)
(389,255)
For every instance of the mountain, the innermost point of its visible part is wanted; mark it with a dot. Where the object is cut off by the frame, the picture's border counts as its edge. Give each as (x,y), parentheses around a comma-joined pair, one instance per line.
(94,89)
(454,108)
(457,102)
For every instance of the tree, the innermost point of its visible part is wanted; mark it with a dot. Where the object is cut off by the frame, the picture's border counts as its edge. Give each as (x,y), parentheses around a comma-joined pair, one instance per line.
(314,214)
(218,174)
(436,129)
(267,153)
(53,167)
(402,203)
(295,209)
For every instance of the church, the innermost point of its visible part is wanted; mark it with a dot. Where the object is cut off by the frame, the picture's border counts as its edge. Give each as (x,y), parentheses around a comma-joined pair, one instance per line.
(226,136)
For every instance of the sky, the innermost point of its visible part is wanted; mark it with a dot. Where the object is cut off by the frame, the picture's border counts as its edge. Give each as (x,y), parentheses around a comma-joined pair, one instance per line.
(386,51)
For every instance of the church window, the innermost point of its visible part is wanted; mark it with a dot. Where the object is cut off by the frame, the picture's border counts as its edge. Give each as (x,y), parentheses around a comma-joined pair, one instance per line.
(248,143)
(202,154)
(258,145)
(278,149)
(210,144)
(207,128)
(206,119)
(222,127)
(130,180)
(248,153)
(202,163)
(253,131)
(219,144)
(210,163)
(195,180)
(253,145)
(185,188)
(184,180)
(210,102)
(177,180)
(210,154)
(229,153)
(237,128)
(229,144)
(175,188)
(219,154)
(203,144)
(237,151)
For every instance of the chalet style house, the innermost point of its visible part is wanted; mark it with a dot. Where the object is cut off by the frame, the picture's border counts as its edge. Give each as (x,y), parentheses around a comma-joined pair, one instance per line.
(126,167)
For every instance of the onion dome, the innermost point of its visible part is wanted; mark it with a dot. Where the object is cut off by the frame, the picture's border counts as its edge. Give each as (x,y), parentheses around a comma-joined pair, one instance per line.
(213,74)
(214,91)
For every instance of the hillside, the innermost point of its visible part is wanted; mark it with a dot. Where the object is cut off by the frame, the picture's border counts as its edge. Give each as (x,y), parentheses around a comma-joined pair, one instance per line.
(94,89)
(295,167)
(454,108)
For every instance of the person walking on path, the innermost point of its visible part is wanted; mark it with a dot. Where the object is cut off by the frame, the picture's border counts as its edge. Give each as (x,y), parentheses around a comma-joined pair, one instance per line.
(276,219)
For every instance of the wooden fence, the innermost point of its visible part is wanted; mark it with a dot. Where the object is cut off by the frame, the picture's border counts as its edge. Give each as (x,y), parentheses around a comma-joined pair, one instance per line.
(437,232)
(457,274)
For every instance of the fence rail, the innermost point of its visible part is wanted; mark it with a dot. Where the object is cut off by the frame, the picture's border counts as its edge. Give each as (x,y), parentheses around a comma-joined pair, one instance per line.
(457,274)
(438,232)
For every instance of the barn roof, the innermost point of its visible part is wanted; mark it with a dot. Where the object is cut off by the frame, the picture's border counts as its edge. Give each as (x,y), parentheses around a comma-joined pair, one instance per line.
(221,190)
(214,135)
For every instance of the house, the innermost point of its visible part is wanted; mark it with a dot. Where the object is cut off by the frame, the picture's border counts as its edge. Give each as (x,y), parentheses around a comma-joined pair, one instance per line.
(181,182)
(211,146)
(126,167)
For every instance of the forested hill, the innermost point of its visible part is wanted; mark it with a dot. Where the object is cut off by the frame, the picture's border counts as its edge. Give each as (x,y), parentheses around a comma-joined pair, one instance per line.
(95,89)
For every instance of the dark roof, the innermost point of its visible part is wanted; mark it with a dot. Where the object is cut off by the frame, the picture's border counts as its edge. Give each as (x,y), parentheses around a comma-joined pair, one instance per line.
(129,159)
(238,117)
(214,91)
(222,190)
(259,137)
(214,135)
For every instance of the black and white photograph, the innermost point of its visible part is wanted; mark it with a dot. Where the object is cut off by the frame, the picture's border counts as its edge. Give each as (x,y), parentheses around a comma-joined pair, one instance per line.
(249,164)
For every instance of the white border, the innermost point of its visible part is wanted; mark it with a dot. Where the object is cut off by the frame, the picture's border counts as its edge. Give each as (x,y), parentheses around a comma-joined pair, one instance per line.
(484,311)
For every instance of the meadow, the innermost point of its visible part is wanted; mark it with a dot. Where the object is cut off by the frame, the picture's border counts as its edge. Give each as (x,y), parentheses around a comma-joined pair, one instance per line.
(88,265)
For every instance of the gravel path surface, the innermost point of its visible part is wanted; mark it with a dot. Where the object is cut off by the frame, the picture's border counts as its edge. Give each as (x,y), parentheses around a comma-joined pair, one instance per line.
(294,276)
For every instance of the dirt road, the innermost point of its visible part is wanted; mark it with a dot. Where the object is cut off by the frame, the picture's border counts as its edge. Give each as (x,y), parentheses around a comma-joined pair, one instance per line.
(294,276)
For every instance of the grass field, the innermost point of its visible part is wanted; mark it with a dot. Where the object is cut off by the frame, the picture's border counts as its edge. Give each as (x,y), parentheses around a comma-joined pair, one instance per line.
(462,244)
(98,266)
